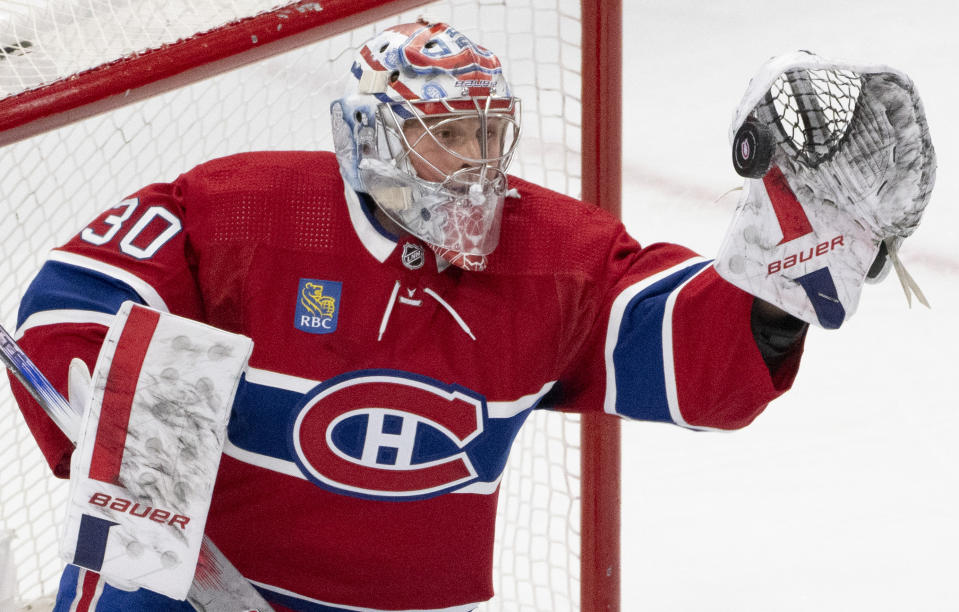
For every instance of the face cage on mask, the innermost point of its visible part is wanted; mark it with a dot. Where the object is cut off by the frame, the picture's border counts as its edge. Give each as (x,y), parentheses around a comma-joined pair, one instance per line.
(483,170)
(458,211)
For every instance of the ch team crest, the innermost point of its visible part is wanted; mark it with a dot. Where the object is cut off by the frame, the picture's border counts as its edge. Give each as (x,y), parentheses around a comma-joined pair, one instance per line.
(317,306)
(384,434)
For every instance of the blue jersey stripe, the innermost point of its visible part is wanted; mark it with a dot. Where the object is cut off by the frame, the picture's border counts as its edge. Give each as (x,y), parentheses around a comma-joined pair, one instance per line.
(638,355)
(296,603)
(62,286)
(260,421)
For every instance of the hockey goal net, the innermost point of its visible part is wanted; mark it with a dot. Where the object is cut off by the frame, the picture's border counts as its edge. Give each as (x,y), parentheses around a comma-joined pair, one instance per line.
(101,97)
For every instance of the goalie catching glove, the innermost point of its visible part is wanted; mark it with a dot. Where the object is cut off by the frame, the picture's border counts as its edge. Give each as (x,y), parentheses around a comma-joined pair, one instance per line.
(839,167)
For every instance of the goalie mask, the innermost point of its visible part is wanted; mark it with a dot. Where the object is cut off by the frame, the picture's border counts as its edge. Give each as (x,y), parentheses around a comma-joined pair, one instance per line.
(427,129)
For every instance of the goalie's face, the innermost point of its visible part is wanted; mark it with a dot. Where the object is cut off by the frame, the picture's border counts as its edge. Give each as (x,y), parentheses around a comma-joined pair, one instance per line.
(442,176)
(451,149)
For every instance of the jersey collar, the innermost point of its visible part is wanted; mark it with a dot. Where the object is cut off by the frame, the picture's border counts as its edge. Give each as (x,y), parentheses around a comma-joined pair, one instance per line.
(377,241)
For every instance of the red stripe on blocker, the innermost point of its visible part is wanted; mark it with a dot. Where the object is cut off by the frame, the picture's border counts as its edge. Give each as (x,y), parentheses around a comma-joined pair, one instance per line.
(789,212)
(118,396)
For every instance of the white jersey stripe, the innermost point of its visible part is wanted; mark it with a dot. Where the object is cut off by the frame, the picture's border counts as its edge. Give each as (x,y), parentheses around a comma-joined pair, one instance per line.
(280,381)
(496,409)
(669,367)
(292,469)
(507,410)
(57,317)
(263,461)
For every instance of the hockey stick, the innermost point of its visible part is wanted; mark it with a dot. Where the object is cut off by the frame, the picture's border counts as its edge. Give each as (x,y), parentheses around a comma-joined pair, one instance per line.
(217,585)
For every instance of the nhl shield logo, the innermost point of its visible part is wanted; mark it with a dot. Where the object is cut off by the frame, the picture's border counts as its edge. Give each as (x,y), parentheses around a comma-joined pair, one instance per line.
(318,306)
(413,256)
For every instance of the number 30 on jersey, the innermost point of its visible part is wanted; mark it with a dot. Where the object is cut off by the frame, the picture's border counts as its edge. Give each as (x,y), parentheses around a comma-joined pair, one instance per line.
(142,238)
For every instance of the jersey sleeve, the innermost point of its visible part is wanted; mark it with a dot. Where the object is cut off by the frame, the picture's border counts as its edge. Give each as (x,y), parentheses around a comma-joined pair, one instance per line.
(137,250)
(672,342)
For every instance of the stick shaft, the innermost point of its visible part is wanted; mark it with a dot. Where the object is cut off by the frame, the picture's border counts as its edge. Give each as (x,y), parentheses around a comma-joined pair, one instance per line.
(52,402)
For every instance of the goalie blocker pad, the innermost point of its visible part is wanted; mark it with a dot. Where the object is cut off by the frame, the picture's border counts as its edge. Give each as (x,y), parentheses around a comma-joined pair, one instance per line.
(149,448)
(838,161)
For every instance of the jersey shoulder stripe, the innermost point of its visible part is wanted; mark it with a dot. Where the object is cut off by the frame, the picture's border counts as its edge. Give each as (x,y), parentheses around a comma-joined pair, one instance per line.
(635,342)
(66,286)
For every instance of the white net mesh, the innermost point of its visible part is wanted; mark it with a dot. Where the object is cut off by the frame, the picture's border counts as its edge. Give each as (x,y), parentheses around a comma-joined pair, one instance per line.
(54,183)
(45,40)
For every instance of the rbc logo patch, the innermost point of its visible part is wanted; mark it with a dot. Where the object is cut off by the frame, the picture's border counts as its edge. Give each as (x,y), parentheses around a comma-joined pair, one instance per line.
(317,306)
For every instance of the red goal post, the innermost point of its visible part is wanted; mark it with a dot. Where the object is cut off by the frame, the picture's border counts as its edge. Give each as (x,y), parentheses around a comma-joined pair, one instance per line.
(70,107)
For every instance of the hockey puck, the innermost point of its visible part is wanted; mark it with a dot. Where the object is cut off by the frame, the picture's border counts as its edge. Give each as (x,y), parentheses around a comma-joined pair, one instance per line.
(752,149)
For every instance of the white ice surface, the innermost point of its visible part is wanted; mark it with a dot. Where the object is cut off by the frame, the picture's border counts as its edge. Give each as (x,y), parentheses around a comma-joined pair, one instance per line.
(844,494)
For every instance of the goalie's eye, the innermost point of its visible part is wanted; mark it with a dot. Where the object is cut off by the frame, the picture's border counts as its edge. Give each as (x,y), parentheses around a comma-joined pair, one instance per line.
(459,135)
(449,136)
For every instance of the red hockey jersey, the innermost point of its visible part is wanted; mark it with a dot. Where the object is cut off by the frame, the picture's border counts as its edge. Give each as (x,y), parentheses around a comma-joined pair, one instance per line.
(385,388)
